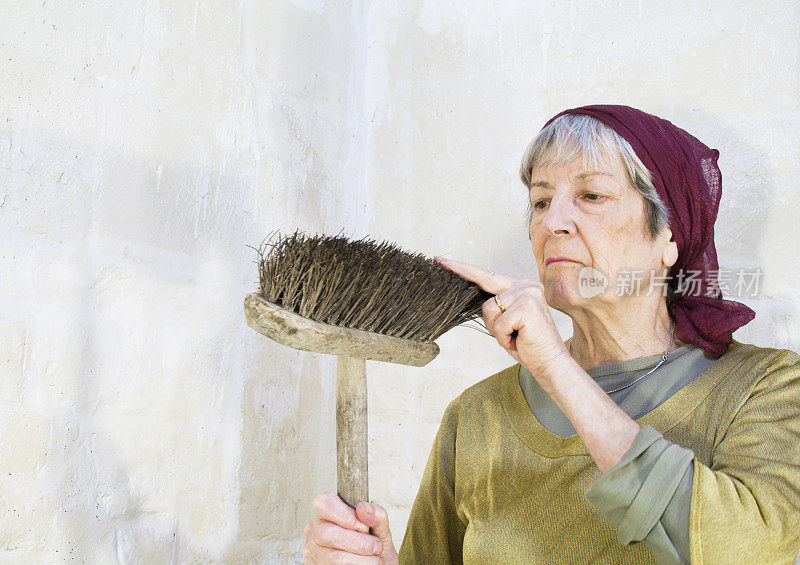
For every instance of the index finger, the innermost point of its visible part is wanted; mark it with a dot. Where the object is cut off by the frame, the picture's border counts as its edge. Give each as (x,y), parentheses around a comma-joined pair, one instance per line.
(489,281)
(328,506)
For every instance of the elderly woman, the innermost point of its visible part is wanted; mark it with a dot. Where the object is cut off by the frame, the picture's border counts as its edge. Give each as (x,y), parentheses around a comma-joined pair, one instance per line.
(651,424)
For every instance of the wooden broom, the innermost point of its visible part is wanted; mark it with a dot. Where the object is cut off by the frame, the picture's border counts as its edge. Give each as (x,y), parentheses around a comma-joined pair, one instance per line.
(358,300)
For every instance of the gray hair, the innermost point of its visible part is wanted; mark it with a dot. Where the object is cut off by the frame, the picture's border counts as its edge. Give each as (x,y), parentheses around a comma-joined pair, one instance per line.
(580,136)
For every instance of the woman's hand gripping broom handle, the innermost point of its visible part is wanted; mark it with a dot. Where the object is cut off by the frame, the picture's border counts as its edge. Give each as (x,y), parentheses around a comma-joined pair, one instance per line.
(352,476)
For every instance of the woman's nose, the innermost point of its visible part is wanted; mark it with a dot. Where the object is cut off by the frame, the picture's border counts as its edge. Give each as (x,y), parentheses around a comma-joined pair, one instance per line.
(558,218)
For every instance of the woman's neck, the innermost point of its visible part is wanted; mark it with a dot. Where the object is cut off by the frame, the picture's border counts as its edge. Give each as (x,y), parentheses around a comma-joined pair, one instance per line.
(619,334)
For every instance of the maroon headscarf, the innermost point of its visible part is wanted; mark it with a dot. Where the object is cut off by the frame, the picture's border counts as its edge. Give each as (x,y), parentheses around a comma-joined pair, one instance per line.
(685,174)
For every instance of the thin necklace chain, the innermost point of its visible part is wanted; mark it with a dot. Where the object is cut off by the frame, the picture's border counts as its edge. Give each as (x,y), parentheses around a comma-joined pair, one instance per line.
(664,359)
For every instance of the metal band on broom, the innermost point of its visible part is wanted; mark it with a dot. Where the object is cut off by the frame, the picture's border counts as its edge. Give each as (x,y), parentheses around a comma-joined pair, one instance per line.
(359,300)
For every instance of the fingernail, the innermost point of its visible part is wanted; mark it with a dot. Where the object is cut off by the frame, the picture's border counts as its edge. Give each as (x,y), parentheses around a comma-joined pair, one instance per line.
(368,508)
(440,259)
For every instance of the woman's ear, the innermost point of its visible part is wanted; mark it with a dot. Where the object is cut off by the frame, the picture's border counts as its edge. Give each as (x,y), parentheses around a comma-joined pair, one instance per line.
(670,254)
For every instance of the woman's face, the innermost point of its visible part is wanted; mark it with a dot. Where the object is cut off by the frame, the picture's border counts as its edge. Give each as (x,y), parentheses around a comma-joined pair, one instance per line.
(593,218)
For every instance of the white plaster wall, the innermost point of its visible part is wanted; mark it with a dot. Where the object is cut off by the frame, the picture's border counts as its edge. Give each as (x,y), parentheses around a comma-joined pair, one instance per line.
(143,145)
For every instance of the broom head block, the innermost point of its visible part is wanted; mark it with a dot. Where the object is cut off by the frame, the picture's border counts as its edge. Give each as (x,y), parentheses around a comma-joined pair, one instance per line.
(295,331)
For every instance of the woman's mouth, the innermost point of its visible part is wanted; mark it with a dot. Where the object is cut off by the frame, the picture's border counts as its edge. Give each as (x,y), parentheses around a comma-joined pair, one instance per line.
(558,260)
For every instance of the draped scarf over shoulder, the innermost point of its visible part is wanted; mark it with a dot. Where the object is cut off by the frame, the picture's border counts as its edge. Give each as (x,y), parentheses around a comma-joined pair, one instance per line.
(684,171)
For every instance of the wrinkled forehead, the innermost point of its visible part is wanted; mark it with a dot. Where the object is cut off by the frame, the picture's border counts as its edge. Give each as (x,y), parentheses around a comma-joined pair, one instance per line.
(580,164)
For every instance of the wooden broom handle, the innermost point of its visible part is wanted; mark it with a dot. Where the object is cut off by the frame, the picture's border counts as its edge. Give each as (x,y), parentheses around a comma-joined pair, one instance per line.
(351,430)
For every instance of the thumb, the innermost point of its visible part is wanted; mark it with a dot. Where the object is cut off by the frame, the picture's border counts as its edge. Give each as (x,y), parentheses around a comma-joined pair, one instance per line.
(376,517)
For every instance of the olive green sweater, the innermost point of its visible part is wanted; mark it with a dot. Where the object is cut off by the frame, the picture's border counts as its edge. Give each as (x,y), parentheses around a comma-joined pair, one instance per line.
(501,488)
(657,470)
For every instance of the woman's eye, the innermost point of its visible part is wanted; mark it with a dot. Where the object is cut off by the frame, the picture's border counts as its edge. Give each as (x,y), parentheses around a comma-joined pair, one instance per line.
(543,203)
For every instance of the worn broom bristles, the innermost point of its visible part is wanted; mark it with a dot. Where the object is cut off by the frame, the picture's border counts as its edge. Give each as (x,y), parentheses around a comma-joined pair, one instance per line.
(365,285)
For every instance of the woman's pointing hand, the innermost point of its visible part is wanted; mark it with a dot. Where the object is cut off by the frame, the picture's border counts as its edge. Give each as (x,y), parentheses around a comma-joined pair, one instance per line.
(518,316)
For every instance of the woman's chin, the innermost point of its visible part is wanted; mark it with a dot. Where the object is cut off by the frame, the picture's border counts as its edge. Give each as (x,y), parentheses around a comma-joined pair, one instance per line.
(561,294)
